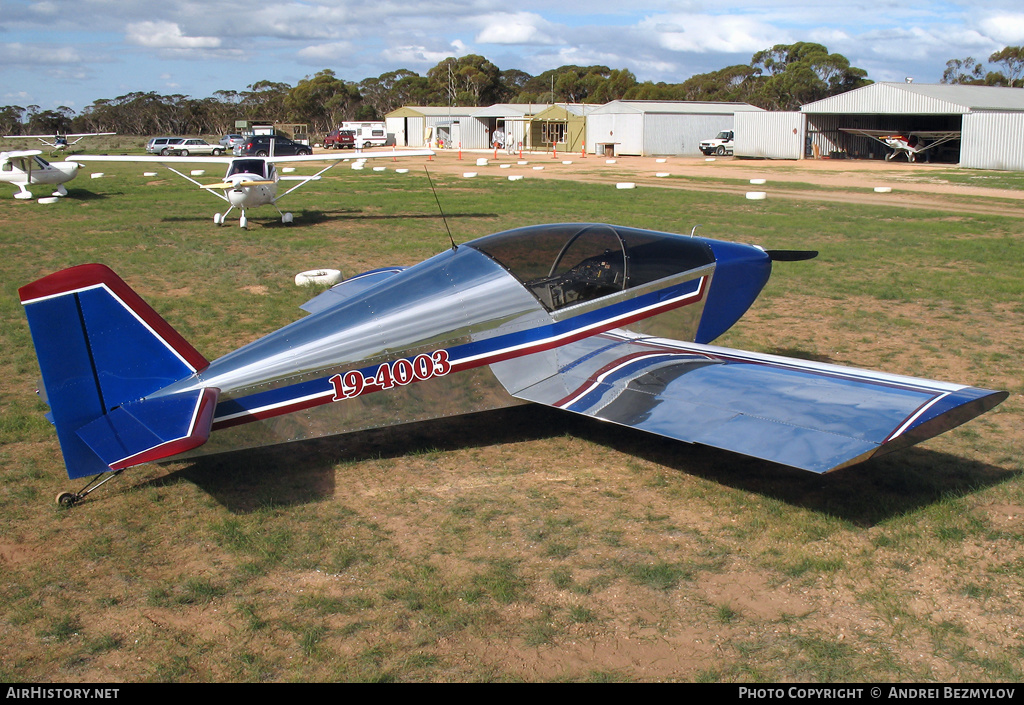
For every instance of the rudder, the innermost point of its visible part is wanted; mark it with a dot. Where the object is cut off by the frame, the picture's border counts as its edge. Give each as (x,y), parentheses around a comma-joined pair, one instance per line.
(99,346)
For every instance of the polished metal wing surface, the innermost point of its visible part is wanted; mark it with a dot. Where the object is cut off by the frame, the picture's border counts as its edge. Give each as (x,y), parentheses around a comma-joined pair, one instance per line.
(809,415)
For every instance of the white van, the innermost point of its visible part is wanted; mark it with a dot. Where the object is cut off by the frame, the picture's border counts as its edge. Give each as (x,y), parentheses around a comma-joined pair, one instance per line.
(372,134)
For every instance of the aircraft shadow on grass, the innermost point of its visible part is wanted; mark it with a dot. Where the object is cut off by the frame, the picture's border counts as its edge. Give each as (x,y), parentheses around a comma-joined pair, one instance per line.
(316,217)
(865,495)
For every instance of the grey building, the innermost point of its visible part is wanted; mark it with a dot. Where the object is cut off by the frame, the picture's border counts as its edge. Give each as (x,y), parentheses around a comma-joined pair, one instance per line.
(658,127)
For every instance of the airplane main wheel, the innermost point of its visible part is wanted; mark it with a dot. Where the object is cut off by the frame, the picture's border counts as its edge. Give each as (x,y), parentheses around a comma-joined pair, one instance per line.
(218,219)
(287,218)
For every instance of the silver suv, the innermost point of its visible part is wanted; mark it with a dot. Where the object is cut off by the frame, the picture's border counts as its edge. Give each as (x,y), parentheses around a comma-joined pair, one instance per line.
(162,145)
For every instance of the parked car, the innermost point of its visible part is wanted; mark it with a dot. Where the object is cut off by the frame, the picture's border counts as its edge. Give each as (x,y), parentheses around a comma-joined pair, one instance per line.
(260,146)
(193,145)
(340,139)
(720,145)
(229,141)
(159,145)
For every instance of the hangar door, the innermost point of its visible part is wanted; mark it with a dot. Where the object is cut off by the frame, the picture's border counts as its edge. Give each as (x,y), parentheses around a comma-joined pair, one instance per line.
(828,136)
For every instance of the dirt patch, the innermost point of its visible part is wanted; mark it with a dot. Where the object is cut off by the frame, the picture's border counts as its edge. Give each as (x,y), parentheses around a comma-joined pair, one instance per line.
(909,183)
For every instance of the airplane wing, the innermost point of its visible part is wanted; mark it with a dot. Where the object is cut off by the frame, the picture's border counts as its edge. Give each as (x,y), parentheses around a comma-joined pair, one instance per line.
(334,159)
(354,156)
(52,135)
(814,416)
(150,159)
(22,153)
(934,137)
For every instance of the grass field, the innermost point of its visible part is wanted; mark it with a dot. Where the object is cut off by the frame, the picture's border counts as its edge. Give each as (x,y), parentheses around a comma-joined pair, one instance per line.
(522,544)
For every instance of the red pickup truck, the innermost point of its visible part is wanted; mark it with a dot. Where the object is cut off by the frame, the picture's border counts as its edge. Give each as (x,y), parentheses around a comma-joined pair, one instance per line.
(340,139)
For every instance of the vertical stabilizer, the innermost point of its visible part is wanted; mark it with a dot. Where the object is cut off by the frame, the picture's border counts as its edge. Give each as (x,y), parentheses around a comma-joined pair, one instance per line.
(102,350)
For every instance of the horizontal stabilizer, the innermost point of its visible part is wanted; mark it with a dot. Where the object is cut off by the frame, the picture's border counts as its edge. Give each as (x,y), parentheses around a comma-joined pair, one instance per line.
(809,415)
(152,429)
(348,288)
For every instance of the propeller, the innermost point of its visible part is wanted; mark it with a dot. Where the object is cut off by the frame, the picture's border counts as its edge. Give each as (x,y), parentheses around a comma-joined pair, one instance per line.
(791,255)
(226,185)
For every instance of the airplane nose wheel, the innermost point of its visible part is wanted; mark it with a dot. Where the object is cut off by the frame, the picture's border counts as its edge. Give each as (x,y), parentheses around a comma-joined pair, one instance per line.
(243,222)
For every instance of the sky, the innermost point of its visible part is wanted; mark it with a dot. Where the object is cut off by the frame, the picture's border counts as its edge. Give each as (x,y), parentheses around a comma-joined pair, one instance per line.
(72,52)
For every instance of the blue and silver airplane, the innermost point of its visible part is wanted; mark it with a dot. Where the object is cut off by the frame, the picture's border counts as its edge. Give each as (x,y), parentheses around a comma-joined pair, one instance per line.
(610,322)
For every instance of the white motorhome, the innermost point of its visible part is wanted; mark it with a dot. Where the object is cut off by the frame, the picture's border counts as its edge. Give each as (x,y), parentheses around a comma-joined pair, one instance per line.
(372,134)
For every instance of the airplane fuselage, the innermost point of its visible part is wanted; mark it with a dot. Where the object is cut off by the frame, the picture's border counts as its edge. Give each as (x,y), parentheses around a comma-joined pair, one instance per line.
(245,194)
(23,170)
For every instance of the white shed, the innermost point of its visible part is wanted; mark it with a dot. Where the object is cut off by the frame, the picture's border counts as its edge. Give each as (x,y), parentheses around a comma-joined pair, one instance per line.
(658,127)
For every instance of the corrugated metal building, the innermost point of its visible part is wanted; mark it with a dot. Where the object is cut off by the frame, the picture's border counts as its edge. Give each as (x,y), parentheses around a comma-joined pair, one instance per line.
(513,119)
(657,127)
(988,118)
(415,125)
(769,135)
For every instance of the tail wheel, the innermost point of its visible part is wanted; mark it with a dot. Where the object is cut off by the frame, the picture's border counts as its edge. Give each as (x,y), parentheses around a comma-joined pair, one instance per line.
(67,500)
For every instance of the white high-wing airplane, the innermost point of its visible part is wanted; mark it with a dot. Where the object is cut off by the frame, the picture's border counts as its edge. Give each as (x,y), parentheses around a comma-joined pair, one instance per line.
(25,167)
(59,141)
(252,181)
(910,144)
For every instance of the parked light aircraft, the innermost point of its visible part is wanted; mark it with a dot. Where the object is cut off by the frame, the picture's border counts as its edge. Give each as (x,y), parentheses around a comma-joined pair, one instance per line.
(26,167)
(574,316)
(251,181)
(910,144)
(59,141)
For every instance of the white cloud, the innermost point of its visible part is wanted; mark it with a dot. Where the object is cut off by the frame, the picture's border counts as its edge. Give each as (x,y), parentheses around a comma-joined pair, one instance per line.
(420,55)
(166,35)
(334,51)
(1005,28)
(34,54)
(516,28)
(706,33)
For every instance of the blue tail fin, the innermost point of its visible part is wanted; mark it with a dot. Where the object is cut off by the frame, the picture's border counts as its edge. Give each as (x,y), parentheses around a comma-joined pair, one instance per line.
(102,350)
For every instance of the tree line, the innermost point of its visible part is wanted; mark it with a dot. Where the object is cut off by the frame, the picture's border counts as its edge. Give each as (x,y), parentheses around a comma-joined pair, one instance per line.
(783,77)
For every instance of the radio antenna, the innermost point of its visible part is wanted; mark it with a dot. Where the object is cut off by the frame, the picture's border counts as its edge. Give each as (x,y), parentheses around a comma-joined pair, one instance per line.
(439,208)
